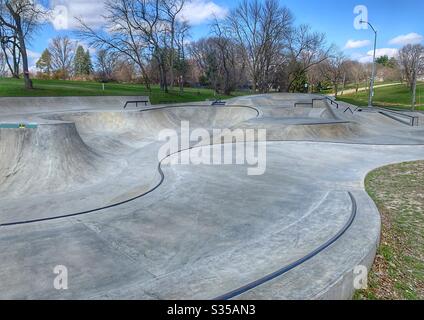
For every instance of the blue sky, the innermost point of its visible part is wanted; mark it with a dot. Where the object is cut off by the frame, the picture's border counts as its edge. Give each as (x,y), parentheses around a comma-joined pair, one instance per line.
(398,22)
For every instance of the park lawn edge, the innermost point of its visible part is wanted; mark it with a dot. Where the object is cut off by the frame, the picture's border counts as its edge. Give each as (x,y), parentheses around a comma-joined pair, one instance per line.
(398,270)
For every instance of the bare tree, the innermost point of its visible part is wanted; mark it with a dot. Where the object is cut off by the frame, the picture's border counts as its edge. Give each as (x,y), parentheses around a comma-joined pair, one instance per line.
(220,60)
(305,49)
(204,53)
(122,37)
(11,52)
(333,69)
(172,9)
(20,18)
(182,32)
(226,51)
(140,30)
(2,65)
(106,63)
(314,77)
(146,19)
(356,72)
(411,59)
(62,50)
(261,28)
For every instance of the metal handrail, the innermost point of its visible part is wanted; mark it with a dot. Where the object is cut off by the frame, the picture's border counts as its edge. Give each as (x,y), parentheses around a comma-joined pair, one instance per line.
(332,102)
(326,98)
(403,109)
(136,103)
(337,105)
(413,120)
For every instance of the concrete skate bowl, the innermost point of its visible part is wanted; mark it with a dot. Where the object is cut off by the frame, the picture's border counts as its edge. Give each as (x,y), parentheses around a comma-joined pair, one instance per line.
(301,117)
(298,112)
(135,128)
(195,232)
(324,131)
(214,232)
(274,100)
(300,124)
(92,160)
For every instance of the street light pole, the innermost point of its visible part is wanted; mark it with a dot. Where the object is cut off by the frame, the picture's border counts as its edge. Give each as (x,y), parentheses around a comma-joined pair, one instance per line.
(373,65)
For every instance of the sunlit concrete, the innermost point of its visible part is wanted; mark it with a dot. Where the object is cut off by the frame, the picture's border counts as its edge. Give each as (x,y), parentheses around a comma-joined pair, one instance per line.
(86,190)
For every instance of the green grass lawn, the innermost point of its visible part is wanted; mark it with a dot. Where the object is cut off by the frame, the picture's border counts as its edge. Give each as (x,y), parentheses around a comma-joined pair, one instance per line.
(350,86)
(45,88)
(398,272)
(393,96)
(362,85)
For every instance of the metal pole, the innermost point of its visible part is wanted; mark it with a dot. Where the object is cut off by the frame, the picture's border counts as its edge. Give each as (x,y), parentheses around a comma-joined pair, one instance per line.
(373,69)
(373,65)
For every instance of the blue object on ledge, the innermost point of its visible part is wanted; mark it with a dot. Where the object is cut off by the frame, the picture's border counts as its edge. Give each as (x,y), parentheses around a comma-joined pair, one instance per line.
(18,126)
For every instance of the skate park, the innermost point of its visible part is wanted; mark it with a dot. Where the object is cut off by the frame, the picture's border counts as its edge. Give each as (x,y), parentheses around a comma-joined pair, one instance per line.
(82,186)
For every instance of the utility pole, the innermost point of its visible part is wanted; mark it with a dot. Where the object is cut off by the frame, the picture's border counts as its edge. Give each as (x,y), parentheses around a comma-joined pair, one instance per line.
(373,65)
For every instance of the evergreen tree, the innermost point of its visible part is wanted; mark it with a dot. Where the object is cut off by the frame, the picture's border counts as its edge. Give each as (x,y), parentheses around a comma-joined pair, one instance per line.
(45,62)
(82,62)
(88,65)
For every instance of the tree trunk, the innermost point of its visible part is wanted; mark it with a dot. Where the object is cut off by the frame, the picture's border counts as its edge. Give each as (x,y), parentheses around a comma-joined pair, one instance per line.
(254,87)
(12,69)
(344,84)
(25,66)
(171,67)
(181,84)
(414,92)
(165,82)
(22,46)
(16,58)
(147,83)
(161,77)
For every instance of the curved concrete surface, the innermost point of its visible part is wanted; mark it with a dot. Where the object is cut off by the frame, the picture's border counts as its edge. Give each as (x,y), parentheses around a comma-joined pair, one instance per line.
(24,105)
(86,190)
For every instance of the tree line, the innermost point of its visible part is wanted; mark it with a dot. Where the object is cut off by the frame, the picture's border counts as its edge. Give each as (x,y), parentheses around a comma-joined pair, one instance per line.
(257,46)
(65,59)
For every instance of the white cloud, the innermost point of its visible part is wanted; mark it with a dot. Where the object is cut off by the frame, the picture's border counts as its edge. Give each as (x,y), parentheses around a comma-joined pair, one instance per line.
(365,59)
(390,52)
(410,38)
(32,60)
(368,57)
(352,44)
(33,54)
(84,45)
(65,13)
(200,11)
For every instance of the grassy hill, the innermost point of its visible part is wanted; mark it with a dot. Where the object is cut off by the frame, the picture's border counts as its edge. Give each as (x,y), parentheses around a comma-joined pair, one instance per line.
(393,96)
(44,88)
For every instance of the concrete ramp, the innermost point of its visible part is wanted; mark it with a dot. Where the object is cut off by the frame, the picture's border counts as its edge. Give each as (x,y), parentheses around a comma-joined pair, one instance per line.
(148,123)
(50,158)
(89,160)
(299,112)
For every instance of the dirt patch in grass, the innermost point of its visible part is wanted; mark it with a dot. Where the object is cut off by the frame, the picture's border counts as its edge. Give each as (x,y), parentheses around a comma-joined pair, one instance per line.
(398,272)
